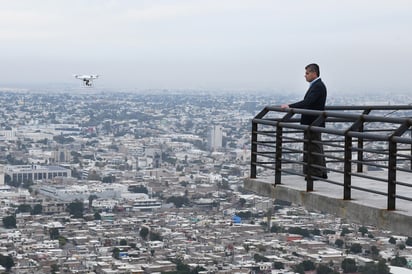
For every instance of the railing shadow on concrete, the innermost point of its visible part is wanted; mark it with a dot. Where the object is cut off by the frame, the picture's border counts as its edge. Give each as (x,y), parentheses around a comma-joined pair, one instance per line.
(353,140)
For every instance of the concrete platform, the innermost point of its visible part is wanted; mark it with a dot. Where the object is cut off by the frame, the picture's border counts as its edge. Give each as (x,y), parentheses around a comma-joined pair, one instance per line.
(364,208)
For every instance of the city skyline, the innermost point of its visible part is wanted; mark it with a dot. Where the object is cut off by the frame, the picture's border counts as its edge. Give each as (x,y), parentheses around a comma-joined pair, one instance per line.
(252,45)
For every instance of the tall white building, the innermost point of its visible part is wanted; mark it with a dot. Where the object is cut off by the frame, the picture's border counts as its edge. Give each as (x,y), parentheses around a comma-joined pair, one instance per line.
(215,138)
(1,175)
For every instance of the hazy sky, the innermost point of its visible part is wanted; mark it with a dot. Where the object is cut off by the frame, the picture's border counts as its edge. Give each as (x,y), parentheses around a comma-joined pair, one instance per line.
(209,44)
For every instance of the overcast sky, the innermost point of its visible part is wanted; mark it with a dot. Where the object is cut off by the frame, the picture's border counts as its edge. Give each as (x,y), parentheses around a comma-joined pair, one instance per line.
(212,44)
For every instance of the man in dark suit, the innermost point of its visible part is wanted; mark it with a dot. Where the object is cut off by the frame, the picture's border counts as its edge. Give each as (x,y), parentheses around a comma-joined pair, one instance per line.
(315,99)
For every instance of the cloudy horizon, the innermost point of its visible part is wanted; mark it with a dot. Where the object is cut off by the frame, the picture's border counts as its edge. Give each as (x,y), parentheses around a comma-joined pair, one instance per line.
(360,45)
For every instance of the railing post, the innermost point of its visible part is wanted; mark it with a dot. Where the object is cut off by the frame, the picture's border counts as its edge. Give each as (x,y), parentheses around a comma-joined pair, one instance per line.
(360,151)
(392,176)
(253,156)
(347,168)
(278,155)
(360,142)
(308,162)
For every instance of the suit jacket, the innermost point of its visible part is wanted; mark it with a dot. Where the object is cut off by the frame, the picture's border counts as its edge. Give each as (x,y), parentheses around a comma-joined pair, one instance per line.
(315,99)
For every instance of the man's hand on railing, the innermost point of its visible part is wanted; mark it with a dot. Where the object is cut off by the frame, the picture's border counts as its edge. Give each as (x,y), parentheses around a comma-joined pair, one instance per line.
(284,106)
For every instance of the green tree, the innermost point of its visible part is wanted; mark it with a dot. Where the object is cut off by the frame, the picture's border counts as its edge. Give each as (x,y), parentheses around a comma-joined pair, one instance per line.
(244,214)
(92,197)
(339,243)
(7,179)
(97,216)
(349,265)
(356,248)
(9,222)
(399,261)
(93,176)
(299,269)
(63,140)
(401,246)
(363,230)
(300,231)
(54,268)
(155,236)
(323,269)
(345,231)
(138,189)
(304,266)
(328,232)
(62,241)
(408,241)
(378,268)
(315,232)
(54,233)
(6,261)
(308,265)
(392,240)
(144,232)
(181,267)
(116,253)
(24,208)
(109,179)
(278,265)
(275,228)
(178,201)
(76,209)
(37,209)
(374,251)
(259,258)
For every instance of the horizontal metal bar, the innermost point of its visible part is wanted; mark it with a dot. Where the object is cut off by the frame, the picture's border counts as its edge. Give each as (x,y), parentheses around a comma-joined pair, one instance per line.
(292,172)
(292,161)
(403,184)
(264,152)
(369,164)
(372,107)
(354,117)
(376,151)
(404,169)
(408,157)
(264,145)
(263,165)
(356,134)
(264,142)
(368,190)
(369,177)
(403,198)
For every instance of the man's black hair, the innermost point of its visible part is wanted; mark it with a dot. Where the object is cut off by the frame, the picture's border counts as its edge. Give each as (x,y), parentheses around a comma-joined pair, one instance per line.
(313,67)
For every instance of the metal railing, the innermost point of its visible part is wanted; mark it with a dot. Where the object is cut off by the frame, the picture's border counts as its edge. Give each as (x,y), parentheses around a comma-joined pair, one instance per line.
(353,139)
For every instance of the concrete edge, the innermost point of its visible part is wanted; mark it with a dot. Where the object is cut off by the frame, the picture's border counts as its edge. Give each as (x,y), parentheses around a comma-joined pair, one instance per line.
(350,210)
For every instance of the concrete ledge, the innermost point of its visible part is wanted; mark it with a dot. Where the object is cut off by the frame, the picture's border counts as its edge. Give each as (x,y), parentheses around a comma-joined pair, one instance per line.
(399,221)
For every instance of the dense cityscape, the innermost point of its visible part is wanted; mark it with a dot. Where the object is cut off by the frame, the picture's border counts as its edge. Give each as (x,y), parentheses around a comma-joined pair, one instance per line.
(152,182)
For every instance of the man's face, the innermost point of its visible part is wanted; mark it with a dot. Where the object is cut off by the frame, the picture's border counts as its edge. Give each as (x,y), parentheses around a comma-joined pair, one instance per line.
(310,75)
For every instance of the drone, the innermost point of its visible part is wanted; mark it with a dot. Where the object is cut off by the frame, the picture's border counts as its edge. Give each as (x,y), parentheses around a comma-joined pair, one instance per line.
(87,80)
